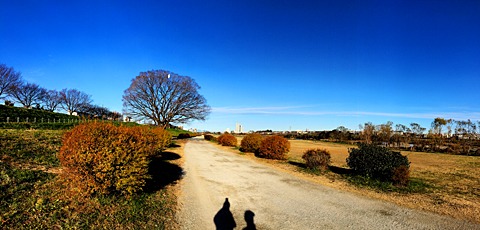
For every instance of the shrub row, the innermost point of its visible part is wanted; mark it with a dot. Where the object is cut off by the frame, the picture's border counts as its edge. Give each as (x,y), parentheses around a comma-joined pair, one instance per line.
(271,147)
(380,163)
(101,158)
(367,160)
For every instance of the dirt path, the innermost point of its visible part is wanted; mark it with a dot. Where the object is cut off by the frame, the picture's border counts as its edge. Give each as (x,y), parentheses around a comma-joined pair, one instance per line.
(281,201)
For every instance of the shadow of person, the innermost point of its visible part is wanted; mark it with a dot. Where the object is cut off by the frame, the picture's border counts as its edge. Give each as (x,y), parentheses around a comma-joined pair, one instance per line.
(224,219)
(249,219)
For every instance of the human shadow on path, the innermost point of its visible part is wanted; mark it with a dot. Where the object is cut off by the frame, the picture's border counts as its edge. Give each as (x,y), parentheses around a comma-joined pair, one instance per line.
(249,219)
(224,218)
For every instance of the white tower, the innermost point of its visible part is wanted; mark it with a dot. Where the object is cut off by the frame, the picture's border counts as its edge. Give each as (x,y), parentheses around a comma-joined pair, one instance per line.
(238,128)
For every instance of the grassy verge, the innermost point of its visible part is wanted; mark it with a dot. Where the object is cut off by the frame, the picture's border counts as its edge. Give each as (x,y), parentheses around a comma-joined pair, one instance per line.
(31,147)
(36,199)
(176,132)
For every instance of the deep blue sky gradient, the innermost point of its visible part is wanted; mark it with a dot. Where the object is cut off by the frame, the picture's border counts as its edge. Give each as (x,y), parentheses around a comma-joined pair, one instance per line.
(267,64)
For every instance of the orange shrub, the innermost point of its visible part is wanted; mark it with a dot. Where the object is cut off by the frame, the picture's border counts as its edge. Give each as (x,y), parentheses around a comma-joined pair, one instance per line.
(251,143)
(163,138)
(317,159)
(274,147)
(227,139)
(100,158)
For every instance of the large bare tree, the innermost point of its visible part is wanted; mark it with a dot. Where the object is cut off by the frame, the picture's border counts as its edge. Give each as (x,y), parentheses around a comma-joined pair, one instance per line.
(28,94)
(164,98)
(72,100)
(8,80)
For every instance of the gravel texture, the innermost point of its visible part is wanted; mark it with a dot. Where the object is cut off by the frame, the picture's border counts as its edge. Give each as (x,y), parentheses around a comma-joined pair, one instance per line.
(281,201)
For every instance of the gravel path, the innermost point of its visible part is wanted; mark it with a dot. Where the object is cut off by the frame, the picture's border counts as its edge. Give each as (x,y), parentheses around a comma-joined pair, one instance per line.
(281,201)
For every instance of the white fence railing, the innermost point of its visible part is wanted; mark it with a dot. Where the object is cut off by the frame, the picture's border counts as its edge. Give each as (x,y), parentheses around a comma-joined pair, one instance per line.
(37,120)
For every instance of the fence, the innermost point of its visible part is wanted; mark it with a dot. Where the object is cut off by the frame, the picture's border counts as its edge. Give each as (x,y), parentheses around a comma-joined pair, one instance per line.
(39,120)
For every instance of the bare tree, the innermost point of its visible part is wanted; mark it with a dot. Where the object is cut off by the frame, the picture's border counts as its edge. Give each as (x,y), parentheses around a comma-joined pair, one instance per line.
(341,134)
(71,100)
(164,98)
(115,116)
(27,94)
(417,129)
(437,125)
(401,134)
(51,100)
(368,132)
(9,79)
(385,132)
(418,132)
(436,133)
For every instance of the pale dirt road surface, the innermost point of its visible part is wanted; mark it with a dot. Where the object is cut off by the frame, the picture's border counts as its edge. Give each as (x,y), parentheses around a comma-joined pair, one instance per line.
(282,201)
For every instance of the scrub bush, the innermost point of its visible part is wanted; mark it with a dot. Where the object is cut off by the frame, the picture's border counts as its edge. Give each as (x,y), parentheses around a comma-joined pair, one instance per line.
(100,158)
(183,136)
(317,159)
(209,137)
(274,147)
(227,139)
(251,143)
(380,163)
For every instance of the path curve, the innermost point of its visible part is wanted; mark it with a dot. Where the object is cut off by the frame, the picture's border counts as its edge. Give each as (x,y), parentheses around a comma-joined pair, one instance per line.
(282,201)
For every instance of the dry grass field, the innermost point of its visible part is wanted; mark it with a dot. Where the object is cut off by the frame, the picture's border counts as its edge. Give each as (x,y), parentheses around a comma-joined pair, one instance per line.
(453,180)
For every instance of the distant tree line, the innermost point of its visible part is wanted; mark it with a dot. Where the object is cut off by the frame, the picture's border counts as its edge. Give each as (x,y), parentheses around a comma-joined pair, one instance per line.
(32,96)
(445,136)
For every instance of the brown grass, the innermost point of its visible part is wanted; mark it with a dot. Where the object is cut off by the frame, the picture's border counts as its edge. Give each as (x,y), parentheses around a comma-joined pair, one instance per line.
(455,179)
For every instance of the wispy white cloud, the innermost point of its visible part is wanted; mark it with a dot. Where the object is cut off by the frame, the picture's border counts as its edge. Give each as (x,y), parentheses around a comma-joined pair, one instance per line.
(306,111)
(258,110)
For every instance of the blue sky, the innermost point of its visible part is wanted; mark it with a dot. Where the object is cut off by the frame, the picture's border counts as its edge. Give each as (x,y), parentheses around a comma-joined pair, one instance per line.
(266,64)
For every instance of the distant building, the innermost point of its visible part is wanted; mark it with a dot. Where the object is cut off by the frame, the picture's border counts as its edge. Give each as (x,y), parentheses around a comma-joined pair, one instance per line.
(238,128)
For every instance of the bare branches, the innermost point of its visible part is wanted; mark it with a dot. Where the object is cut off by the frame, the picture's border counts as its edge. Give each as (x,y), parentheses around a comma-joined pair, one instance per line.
(51,100)
(27,94)
(9,79)
(165,98)
(72,100)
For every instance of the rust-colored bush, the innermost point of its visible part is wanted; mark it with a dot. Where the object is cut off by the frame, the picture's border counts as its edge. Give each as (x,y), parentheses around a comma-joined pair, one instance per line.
(274,147)
(100,158)
(401,175)
(227,139)
(251,143)
(317,159)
